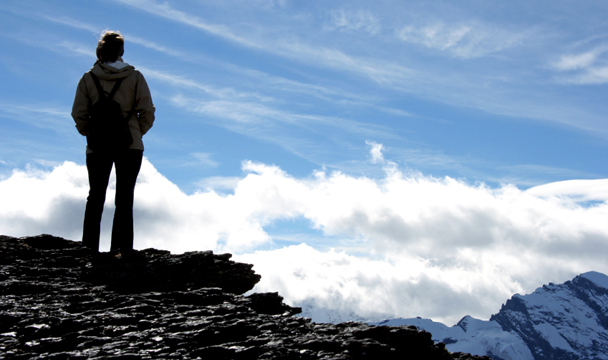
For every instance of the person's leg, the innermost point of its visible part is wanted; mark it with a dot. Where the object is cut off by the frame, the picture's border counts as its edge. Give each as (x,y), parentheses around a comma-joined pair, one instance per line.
(99,168)
(127,169)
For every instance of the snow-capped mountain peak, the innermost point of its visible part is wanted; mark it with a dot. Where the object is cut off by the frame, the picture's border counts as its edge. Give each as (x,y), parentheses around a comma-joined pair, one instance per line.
(563,321)
(598,278)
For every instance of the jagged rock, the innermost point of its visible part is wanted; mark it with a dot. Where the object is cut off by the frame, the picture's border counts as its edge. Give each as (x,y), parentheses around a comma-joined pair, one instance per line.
(58,300)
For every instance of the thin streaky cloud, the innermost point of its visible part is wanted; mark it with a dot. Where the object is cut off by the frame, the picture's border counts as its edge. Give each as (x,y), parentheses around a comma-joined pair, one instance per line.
(471,40)
(34,114)
(381,72)
(277,82)
(64,20)
(463,91)
(583,67)
(573,62)
(154,46)
(166,11)
(392,75)
(282,128)
(591,76)
(581,59)
(255,113)
(529,176)
(246,111)
(397,112)
(204,159)
(51,43)
(348,20)
(544,169)
(311,89)
(182,82)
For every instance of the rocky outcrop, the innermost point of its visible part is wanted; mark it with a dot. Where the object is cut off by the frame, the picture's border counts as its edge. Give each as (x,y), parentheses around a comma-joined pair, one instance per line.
(58,300)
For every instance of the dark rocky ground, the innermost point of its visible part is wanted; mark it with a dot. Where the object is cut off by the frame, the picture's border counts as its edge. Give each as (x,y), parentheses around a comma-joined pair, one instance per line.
(59,301)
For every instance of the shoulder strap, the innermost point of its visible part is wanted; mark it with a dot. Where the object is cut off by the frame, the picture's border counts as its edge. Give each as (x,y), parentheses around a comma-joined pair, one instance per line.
(100,89)
(97,84)
(116,85)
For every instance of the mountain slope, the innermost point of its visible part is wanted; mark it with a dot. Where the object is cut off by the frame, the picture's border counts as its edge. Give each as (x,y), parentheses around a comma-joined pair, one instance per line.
(472,336)
(559,322)
(566,321)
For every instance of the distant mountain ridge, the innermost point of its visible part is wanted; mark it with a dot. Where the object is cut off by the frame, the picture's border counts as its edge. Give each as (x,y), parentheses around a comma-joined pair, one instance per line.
(568,321)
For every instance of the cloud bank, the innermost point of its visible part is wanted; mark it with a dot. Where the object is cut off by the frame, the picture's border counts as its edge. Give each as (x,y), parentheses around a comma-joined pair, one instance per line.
(402,245)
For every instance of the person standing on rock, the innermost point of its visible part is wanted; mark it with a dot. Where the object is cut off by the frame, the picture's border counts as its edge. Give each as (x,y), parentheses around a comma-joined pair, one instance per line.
(113,108)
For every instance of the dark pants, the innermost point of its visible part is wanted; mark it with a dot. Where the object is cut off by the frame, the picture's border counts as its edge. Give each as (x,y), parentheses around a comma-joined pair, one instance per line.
(99,167)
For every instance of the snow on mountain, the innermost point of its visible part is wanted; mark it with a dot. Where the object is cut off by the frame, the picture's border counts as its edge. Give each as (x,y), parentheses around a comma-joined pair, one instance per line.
(319,314)
(566,321)
(598,278)
(557,322)
(474,336)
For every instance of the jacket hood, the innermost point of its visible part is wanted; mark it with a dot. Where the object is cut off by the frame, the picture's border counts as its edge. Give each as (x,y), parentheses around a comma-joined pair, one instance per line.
(106,72)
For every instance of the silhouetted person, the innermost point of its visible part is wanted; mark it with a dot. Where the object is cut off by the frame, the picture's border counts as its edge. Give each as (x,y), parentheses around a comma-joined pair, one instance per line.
(132,94)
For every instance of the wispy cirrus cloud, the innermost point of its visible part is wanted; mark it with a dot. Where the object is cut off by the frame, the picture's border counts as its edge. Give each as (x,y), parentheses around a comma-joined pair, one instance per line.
(55,44)
(168,12)
(204,159)
(38,115)
(190,83)
(71,22)
(532,175)
(574,62)
(379,71)
(256,113)
(310,137)
(350,20)
(276,82)
(466,41)
(584,68)
(243,107)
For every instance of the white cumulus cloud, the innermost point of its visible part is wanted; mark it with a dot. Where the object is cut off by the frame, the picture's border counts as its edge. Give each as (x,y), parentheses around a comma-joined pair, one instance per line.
(402,245)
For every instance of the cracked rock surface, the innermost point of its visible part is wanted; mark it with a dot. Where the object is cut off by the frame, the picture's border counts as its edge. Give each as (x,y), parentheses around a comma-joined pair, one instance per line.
(58,300)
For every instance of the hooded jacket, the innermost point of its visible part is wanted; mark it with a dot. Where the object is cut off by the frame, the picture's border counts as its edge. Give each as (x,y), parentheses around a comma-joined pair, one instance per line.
(133,93)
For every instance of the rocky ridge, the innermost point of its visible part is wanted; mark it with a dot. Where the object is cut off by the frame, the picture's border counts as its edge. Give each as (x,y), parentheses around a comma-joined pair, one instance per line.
(58,300)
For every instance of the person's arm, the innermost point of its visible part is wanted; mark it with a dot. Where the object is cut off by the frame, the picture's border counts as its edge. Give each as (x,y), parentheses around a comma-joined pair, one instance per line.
(143,104)
(80,108)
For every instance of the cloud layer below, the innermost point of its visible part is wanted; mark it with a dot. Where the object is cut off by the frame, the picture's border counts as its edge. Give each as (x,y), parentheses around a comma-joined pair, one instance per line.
(404,245)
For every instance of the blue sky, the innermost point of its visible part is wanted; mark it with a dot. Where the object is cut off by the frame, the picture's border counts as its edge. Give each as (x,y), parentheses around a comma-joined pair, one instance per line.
(288,128)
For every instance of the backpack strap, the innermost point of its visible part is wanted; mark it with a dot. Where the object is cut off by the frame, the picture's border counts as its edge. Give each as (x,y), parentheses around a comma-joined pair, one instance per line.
(105,94)
(100,89)
(115,88)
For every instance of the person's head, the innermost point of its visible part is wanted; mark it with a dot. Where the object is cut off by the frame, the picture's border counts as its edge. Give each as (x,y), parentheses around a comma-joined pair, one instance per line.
(110,46)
